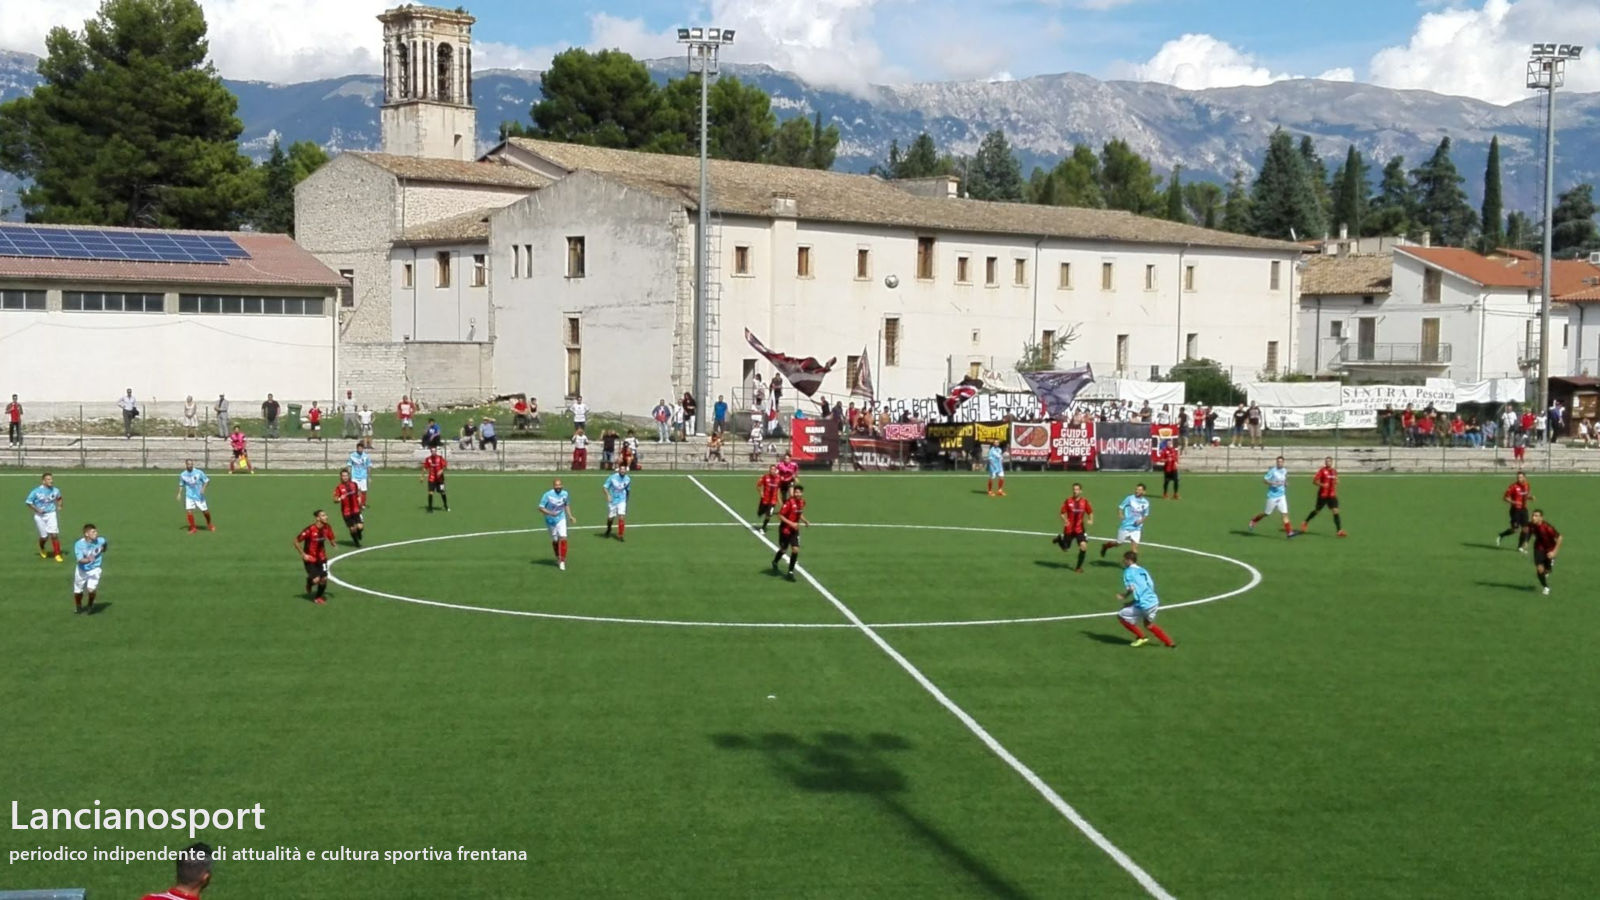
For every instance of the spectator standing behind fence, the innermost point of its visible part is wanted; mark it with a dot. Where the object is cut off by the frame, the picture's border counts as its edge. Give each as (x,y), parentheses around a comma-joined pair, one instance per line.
(14,422)
(608,449)
(579,411)
(269,413)
(130,411)
(224,421)
(191,416)
(314,420)
(1238,424)
(776,391)
(690,407)
(405,411)
(580,450)
(1252,420)
(630,452)
(719,414)
(662,414)
(487,437)
(1558,420)
(756,393)
(365,419)
(352,417)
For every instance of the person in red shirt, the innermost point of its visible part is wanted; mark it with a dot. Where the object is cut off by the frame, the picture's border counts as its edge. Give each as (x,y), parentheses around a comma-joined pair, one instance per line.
(768,485)
(1077,513)
(433,466)
(194,874)
(350,501)
(312,545)
(1546,543)
(1517,497)
(790,518)
(788,470)
(1408,421)
(1425,430)
(14,422)
(1169,470)
(1327,482)
(1458,430)
(314,417)
(405,411)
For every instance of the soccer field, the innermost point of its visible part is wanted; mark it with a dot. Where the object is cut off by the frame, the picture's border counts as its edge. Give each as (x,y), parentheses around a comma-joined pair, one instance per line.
(1395,714)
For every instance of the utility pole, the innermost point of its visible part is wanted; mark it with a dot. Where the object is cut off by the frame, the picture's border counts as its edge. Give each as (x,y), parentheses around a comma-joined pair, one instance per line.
(1547,66)
(703,44)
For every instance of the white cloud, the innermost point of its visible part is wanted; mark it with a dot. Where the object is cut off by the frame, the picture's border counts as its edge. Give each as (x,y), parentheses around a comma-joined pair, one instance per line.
(1198,61)
(1482,51)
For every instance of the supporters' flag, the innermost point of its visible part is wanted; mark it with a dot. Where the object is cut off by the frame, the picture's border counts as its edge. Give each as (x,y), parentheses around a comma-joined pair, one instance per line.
(805,374)
(861,386)
(1057,389)
(958,395)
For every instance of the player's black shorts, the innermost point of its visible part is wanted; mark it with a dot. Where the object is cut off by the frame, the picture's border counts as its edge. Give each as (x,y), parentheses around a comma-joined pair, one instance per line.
(788,538)
(1519,516)
(238,453)
(352,521)
(783,489)
(1543,560)
(316,569)
(765,509)
(435,487)
(1328,502)
(1075,537)
(1169,478)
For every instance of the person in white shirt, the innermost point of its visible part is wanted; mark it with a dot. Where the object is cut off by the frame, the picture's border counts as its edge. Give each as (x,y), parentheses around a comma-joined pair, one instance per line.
(191,415)
(130,411)
(677,420)
(580,450)
(580,412)
(352,415)
(224,424)
(365,418)
(1165,416)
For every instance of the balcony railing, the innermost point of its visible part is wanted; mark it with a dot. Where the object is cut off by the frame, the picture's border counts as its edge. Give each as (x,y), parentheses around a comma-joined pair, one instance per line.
(1375,354)
(1528,354)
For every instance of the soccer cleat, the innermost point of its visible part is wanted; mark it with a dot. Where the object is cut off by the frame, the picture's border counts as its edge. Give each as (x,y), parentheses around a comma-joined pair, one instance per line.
(622,539)
(321,601)
(77,610)
(58,557)
(1001,492)
(1522,549)
(210,527)
(791,578)
(1139,642)
(1079,570)
(1342,533)
(1103,549)
(193,530)
(1252,524)
(1305,526)
(43,555)
(561,564)
(1294,534)
(88,609)
(991,493)
(1057,541)
(1497,540)
(1547,590)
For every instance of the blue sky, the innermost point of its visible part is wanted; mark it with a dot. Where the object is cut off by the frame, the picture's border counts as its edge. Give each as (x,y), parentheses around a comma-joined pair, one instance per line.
(1470,47)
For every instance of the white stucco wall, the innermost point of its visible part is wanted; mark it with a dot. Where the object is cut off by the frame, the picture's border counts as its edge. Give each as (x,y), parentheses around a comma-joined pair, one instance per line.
(1583,344)
(424,311)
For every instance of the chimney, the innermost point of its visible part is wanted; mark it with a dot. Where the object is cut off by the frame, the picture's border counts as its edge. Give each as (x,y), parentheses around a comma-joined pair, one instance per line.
(784,206)
(1427,238)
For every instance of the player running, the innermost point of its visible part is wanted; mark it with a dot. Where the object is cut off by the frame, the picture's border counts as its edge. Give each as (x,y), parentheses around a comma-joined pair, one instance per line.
(1546,543)
(769,486)
(312,544)
(1169,470)
(433,466)
(45,501)
(350,500)
(241,458)
(360,464)
(192,491)
(790,518)
(1135,508)
(1327,482)
(1138,595)
(788,470)
(1517,497)
(616,487)
(556,504)
(89,551)
(1277,479)
(995,456)
(1076,514)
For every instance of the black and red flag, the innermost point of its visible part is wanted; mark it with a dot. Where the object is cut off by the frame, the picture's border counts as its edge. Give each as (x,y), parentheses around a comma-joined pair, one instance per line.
(805,374)
(961,393)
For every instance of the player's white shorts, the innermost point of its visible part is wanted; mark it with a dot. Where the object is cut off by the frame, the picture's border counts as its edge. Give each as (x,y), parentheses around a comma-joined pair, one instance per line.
(558,531)
(1135,614)
(996,472)
(1130,535)
(406,422)
(84,581)
(46,523)
(1277,505)
(613,510)
(360,483)
(191,504)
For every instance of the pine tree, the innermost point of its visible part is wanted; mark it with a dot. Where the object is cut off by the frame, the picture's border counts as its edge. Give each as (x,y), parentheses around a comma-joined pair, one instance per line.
(1493,206)
(1350,193)
(275,213)
(1075,181)
(922,159)
(1283,201)
(1317,175)
(1236,212)
(994,173)
(1519,231)
(1573,229)
(1174,198)
(824,145)
(1392,212)
(1203,200)
(1442,206)
(1126,181)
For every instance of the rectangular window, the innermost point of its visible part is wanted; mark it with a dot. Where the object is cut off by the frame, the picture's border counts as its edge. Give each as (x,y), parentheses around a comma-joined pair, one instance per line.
(1019,272)
(977,336)
(1566,333)
(863,263)
(975,370)
(741,260)
(527,260)
(1272,356)
(516,260)
(1336,329)
(925,258)
(22,300)
(802,262)
(852,368)
(574,371)
(1065,282)
(1106,276)
(407,277)
(252,306)
(575,254)
(1432,285)
(963,270)
(480,270)
(991,274)
(1191,346)
(347,291)
(1277,272)
(1149,278)
(574,333)
(441,262)
(1430,340)
(233,305)
(1122,353)
(891,342)
(1188,278)
(1047,347)
(94,301)
(271,306)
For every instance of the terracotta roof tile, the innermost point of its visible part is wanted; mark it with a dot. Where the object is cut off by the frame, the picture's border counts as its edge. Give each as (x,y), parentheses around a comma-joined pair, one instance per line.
(275,261)
(1348,275)
(1517,269)
(451,171)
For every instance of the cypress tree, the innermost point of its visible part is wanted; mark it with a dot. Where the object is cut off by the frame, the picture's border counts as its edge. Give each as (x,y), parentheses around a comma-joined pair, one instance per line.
(1175,210)
(1493,205)
(1350,193)
(1236,213)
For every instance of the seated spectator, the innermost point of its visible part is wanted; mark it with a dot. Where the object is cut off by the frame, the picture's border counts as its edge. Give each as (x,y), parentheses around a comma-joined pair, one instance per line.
(468,437)
(630,452)
(432,436)
(534,421)
(714,448)
(486,435)
(523,414)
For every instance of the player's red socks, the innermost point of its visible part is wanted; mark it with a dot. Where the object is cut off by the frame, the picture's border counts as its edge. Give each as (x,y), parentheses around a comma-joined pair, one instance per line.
(561,552)
(622,526)
(1255,519)
(1134,628)
(190,517)
(1160,635)
(55,544)
(1287,528)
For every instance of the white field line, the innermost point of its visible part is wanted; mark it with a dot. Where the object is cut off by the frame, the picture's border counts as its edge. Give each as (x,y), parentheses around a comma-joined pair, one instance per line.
(1145,880)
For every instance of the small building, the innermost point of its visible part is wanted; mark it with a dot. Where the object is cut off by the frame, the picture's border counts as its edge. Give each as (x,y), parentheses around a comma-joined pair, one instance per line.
(87,312)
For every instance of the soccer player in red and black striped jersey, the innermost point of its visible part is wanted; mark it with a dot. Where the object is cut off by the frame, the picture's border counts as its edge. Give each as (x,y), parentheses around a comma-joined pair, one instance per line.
(351,501)
(1169,470)
(433,466)
(312,544)
(1546,543)
(1327,482)
(1517,497)
(1077,513)
(790,518)
(768,485)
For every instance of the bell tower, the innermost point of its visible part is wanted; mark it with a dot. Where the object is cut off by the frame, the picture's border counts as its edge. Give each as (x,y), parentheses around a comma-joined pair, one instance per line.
(427,83)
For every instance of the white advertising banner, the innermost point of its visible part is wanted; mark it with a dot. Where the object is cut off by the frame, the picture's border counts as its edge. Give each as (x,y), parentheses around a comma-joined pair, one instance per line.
(1316,418)
(1440,394)
(1155,393)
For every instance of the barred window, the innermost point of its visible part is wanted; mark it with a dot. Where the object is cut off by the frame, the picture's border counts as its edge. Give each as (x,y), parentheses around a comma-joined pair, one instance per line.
(111,301)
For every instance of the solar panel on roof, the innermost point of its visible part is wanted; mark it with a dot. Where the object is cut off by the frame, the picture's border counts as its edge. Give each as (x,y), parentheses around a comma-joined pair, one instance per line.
(48,242)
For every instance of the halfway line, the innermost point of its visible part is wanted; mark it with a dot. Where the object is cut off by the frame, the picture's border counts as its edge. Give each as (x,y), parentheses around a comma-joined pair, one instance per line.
(1146,881)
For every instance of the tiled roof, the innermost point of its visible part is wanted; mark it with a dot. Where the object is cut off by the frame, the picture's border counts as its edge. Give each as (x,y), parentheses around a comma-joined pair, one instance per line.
(1348,275)
(468,226)
(1514,270)
(1589,294)
(451,171)
(749,188)
(275,261)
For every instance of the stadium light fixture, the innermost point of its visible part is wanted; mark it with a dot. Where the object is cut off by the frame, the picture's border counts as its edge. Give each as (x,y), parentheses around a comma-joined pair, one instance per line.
(1547,70)
(703,44)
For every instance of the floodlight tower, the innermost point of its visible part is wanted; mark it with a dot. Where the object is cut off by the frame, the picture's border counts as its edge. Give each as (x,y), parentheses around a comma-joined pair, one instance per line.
(1547,70)
(703,44)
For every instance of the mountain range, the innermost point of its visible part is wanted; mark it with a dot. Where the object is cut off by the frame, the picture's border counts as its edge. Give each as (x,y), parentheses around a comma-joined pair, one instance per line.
(1210,132)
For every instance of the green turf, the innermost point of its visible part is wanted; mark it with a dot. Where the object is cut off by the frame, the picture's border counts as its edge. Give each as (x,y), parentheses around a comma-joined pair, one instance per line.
(1396,714)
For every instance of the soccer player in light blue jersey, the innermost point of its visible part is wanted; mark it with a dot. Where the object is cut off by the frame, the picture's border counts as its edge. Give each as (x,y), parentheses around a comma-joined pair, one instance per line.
(1277,481)
(997,470)
(360,463)
(88,551)
(192,491)
(616,488)
(45,501)
(1135,508)
(556,504)
(1140,603)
